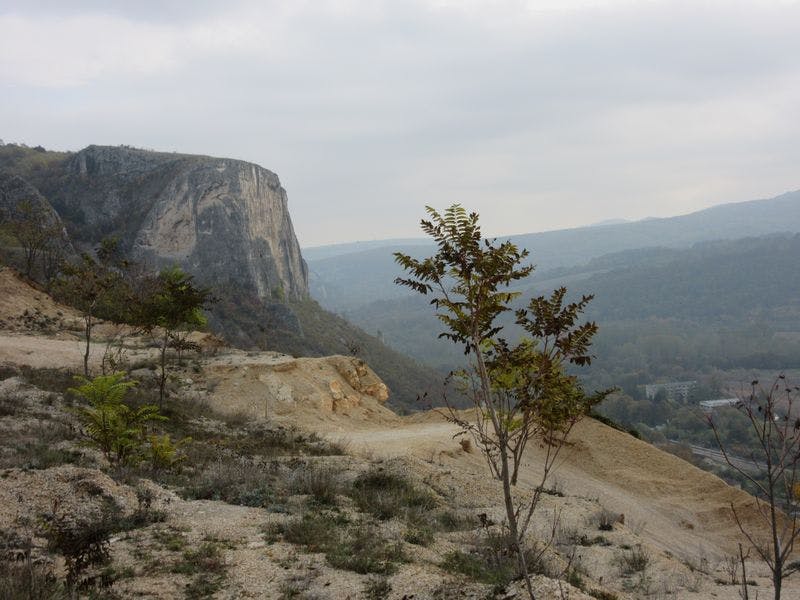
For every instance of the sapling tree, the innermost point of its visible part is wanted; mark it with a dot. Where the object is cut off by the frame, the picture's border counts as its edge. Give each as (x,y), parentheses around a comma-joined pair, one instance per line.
(170,303)
(98,290)
(34,230)
(109,424)
(519,391)
(774,472)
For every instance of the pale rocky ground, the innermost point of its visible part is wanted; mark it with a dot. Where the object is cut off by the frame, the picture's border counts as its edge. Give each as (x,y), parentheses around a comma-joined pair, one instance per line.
(679,514)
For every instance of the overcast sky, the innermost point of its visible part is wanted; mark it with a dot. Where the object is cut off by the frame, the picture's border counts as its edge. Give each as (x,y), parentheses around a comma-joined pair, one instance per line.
(540,115)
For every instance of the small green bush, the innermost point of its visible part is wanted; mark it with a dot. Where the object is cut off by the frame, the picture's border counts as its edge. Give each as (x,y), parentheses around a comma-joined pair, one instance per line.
(322,483)
(364,550)
(386,495)
(231,480)
(82,542)
(492,561)
(315,531)
(109,424)
(360,548)
(205,559)
(377,588)
(419,536)
(475,566)
(605,520)
(206,566)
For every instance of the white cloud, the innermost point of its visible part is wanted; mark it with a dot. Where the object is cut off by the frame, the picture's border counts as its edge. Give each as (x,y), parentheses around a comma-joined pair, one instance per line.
(542,114)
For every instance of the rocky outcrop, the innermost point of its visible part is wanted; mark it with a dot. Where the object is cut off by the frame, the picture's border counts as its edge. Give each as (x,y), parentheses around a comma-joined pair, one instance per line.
(17,197)
(262,385)
(226,221)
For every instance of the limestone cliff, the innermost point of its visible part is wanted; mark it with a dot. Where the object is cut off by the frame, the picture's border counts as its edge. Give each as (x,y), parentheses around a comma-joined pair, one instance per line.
(226,221)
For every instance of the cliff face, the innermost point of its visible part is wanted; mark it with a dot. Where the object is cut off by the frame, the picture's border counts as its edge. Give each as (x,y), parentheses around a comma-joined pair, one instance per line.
(226,221)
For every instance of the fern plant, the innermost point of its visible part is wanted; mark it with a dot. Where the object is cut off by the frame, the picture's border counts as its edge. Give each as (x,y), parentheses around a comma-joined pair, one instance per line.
(163,453)
(110,425)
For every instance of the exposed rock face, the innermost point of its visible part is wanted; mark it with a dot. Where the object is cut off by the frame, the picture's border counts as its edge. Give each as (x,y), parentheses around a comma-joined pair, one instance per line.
(226,221)
(265,385)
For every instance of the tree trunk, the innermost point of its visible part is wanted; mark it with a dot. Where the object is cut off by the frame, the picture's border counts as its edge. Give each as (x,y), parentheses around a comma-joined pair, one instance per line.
(505,474)
(88,330)
(163,383)
(745,594)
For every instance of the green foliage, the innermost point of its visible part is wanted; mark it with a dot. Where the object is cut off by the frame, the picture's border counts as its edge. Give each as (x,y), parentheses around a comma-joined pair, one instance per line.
(360,547)
(322,483)
(164,454)
(520,390)
(97,289)
(36,231)
(207,567)
(103,389)
(173,301)
(109,424)
(377,588)
(168,303)
(315,531)
(364,550)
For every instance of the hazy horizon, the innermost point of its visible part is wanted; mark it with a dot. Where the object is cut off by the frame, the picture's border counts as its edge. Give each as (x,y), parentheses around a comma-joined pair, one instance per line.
(539,115)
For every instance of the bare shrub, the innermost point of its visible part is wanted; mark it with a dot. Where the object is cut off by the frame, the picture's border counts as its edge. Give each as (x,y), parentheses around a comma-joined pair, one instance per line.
(322,483)
(633,560)
(605,519)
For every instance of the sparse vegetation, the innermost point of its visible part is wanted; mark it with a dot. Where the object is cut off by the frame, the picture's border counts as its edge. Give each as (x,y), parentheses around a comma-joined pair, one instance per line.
(322,483)
(232,480)
(365,550)
(605,519)
(207,568)
(358,547)
(633,560)
(26,581)
(377,588)
(772,416)
(385,494)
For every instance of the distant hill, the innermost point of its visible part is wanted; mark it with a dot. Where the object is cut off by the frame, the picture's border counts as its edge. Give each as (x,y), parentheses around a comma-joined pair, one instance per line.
(662,312)
(329,251)
(345,281)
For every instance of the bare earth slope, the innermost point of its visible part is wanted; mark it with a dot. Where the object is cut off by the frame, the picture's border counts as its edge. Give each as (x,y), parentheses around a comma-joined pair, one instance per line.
(679,513)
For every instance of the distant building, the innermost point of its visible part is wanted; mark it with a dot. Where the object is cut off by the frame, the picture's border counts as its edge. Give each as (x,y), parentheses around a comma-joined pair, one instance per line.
(675,391)
(710,405)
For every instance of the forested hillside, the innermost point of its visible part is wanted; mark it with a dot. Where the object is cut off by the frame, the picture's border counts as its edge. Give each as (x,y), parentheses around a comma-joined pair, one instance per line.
(662,312)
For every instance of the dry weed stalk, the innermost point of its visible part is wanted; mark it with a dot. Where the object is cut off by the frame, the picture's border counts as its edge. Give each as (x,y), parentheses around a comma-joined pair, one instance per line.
(776,459)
